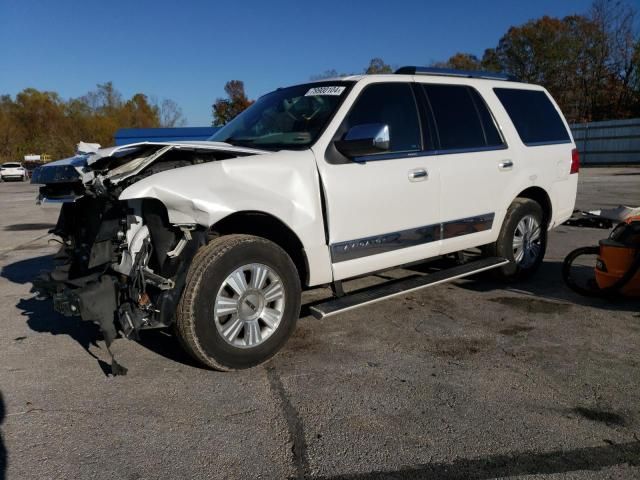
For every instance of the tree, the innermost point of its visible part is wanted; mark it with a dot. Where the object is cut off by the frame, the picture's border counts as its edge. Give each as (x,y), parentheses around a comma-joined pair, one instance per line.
(615,21)
(460,61)
(42,122)
(170,114)
(226,109)
(139,113)
(377,65)
(333,73)
(585,61)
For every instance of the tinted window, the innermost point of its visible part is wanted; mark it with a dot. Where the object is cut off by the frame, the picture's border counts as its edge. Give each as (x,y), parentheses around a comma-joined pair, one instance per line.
(456,117)
(533,115)
(492,136)
(394,105)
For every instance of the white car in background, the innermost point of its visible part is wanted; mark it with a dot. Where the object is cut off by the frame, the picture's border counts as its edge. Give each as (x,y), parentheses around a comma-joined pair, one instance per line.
(312,185)
(13,171)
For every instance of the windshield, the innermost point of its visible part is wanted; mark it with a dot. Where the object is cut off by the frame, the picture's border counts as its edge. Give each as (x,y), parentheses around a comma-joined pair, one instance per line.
(291,117)
(11,165)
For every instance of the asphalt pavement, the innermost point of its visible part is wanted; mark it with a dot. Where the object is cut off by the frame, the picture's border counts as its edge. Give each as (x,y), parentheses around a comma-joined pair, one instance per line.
(474,379)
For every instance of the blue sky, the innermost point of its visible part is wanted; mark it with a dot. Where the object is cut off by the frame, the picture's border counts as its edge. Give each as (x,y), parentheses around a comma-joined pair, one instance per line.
(187,50)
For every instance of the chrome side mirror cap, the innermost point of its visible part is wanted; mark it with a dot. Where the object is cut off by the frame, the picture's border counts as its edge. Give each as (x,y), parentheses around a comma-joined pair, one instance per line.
(365,139)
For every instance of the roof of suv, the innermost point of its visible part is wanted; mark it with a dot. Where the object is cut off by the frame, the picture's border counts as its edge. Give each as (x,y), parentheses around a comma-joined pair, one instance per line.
(411,71)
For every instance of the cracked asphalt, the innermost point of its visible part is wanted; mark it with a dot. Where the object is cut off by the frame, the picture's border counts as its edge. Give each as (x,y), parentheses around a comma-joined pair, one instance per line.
(473,379)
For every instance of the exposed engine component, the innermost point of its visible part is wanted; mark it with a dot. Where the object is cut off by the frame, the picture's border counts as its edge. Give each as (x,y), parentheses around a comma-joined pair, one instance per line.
(122,264)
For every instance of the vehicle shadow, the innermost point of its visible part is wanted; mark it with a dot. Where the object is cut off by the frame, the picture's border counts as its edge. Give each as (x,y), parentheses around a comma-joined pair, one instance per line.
(40,315)
(164,343)
(547,283)
(19,227)
(3,449)
(587,459)
(42,318)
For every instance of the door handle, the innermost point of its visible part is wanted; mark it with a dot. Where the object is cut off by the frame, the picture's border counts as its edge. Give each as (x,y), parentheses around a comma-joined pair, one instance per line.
(505,165)
(418,175)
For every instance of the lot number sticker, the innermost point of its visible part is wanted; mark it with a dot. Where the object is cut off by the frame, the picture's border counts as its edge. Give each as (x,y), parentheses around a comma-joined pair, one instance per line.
(324,91)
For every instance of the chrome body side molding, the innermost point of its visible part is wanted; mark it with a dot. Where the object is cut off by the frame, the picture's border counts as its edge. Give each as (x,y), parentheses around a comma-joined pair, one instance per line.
(362,247)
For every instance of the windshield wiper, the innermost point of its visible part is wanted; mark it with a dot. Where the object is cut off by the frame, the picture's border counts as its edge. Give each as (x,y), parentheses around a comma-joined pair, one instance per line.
(240,141)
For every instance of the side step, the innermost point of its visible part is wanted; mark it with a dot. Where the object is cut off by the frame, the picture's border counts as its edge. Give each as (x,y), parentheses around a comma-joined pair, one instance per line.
(403,286)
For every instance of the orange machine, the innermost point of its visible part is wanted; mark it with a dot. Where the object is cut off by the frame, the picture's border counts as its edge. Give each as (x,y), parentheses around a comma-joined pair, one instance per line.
(617,269)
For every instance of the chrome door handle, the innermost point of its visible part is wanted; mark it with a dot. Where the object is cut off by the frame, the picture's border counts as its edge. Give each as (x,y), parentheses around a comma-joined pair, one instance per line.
(505,165)
(418,174)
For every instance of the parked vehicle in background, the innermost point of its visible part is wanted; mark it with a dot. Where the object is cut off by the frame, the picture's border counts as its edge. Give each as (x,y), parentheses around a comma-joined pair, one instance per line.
(13,171)
(312,185)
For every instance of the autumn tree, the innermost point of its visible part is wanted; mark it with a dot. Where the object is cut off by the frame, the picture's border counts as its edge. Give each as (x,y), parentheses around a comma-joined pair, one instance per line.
(460,61)
(43,122)
(377,65)
(226,109)
(588,62)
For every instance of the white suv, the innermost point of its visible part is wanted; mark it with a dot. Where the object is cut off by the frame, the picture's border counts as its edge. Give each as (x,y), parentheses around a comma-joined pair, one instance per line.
(312,185)
(12,171)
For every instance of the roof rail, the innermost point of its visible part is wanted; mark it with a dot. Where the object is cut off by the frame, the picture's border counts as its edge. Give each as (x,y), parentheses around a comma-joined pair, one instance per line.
(450,72)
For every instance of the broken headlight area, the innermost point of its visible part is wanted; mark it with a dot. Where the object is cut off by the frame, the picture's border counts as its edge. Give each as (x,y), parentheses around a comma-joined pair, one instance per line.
(121,265)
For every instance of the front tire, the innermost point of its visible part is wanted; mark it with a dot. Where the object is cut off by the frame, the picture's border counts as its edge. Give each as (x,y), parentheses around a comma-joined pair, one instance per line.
(240,304)
(522,240)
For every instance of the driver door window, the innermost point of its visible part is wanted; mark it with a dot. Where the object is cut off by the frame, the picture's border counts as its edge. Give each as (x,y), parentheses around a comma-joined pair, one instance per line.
(394,105)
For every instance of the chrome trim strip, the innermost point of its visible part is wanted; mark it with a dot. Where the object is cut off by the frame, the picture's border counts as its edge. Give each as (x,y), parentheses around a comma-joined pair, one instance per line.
(550,142)
(425,153)
(467,226)
(364,247)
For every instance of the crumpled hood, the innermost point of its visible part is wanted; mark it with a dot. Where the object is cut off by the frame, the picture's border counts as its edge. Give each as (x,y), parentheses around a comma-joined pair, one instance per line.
(85,166)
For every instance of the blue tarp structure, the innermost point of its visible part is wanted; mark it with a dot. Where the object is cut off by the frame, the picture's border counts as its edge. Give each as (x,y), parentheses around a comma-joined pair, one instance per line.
(124,136)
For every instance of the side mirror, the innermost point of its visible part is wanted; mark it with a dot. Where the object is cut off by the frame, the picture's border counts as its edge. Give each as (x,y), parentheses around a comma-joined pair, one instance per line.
(365,139)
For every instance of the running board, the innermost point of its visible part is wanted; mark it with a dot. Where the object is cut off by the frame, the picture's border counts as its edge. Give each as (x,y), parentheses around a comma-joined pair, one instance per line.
(391,289)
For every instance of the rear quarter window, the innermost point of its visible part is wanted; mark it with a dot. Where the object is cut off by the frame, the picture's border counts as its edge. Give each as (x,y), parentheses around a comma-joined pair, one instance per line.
(536,119)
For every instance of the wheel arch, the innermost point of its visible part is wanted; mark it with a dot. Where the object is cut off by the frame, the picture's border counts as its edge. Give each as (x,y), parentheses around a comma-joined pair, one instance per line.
(268,226)
(542,198)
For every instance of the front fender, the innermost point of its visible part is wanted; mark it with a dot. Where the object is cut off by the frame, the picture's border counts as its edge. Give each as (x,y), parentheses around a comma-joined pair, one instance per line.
(284,184)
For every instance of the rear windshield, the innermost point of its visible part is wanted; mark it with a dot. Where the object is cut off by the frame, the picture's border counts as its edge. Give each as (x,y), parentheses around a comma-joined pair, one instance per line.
(10,165)
(534,116)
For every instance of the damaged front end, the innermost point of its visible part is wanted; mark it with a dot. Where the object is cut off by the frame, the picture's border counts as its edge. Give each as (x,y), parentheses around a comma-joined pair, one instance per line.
(122,264)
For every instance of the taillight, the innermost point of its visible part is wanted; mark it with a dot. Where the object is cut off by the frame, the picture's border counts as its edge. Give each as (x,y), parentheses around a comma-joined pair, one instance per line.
(575,161)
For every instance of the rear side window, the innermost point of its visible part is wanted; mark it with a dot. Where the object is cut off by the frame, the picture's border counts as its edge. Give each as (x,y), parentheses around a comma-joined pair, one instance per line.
(534,116)
(394,105)
(491,133)
(461,117)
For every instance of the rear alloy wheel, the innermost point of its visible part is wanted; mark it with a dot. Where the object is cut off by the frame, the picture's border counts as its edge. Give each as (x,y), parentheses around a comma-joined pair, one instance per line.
(240,303)
(522,240)
(527,241)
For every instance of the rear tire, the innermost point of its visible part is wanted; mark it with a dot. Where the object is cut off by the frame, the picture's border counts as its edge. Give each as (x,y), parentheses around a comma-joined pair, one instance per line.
(240,304)
(522,240)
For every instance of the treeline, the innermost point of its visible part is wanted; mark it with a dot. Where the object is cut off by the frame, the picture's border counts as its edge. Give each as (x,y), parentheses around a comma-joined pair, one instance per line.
(590,63)
(37,122)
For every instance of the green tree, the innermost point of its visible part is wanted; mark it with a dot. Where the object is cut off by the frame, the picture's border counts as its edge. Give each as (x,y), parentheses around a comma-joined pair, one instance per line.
(226,109)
